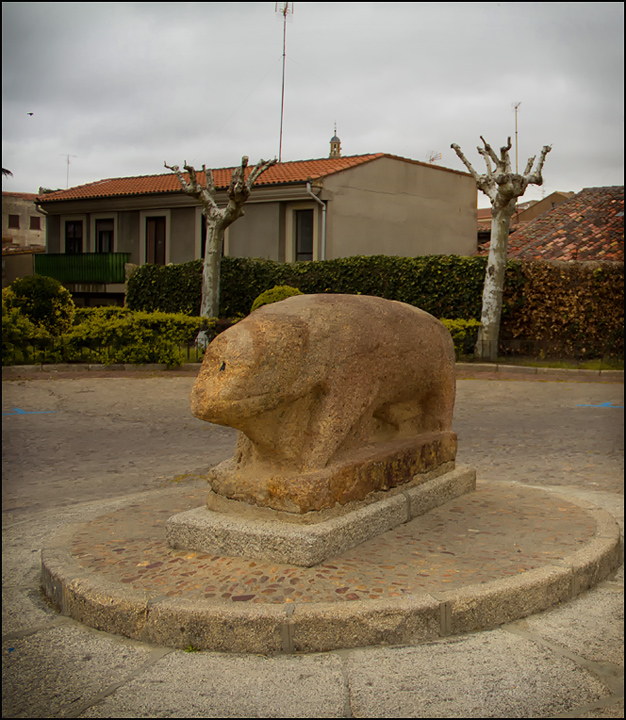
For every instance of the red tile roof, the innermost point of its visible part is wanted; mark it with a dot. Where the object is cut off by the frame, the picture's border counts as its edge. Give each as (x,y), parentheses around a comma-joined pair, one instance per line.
(588,226)
(23,196)
(281,173)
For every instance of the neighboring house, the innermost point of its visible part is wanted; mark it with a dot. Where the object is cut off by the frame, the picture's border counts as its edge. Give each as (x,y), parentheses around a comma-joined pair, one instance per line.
(305,210)
(23,235)
(22,222)
(525,212)
(587,226)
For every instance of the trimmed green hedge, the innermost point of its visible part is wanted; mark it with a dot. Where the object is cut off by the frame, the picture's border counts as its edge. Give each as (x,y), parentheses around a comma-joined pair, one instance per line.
(549,309)
(166,288)
(103,335)
(443,285)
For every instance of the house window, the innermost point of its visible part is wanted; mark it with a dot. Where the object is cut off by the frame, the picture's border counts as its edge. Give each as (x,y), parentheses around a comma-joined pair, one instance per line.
(35,222)
(14,222)
(104,236)
(73,237)
(304,234)
(155,240)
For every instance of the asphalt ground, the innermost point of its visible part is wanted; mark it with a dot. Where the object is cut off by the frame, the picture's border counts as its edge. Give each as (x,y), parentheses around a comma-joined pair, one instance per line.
(76,445)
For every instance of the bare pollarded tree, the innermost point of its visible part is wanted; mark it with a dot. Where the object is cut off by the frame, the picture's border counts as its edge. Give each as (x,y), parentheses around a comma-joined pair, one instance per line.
(502,186)
(217,220)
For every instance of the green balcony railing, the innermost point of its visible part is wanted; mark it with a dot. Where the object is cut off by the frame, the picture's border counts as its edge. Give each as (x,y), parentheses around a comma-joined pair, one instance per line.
(83,268)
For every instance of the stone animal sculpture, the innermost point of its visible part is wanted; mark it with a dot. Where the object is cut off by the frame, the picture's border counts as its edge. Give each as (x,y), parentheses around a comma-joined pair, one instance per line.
(335,396)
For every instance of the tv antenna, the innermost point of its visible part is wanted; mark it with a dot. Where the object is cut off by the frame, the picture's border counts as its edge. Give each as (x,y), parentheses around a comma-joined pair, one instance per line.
(515,108)
(433,157)
(67,180)
(286,10)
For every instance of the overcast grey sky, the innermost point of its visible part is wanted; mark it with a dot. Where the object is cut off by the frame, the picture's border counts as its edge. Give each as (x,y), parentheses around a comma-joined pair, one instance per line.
(121,87)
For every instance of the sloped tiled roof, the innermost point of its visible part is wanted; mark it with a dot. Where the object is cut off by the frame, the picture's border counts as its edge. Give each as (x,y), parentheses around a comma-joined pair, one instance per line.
(588,226)
(23,196)
(484,220)
(283,173)
(279,174)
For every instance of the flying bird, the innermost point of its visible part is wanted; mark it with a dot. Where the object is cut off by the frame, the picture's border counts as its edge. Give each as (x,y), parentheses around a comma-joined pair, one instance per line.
(30,113)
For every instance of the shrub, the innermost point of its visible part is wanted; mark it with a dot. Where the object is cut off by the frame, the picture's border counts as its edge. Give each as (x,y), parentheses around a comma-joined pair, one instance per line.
(18,332)
(464,334)
(44,301)
(102,335)
(127,337)
(276,294)
(573,309)
(85,314)
(166,288)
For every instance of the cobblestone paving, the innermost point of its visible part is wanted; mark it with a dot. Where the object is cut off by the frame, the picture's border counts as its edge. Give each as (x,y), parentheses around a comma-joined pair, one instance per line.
(497,531)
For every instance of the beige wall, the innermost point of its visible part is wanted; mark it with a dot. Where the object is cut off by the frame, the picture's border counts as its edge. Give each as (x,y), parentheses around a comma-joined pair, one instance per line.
(127,238)
(393,207)
(544,205)
(258,232)
(17,265)
(183,235)
(53,234)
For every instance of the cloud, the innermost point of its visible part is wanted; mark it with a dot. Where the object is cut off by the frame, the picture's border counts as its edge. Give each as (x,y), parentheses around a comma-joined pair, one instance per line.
(126,85)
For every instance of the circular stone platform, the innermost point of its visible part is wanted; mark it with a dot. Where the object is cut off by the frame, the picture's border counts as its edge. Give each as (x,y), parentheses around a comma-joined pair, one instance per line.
(493,556)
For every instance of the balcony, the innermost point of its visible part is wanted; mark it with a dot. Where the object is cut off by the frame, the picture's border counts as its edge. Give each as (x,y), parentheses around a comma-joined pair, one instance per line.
(83,269)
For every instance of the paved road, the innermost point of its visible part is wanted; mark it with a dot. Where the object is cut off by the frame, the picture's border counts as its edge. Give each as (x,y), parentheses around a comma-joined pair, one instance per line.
(73,446)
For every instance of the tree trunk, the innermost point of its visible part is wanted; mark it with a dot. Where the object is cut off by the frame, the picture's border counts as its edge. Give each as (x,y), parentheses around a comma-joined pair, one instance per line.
(210,304)
(487,342)
(502,186)
(217,220)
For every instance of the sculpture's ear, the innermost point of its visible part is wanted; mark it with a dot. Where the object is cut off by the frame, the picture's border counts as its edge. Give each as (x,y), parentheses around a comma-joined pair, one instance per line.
(285,337)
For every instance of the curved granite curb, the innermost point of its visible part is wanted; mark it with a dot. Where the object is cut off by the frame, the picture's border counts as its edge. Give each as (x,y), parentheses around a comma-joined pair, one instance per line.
(317,627)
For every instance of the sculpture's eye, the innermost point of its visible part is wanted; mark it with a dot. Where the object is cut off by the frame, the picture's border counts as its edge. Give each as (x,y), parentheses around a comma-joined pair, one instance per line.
(222,366)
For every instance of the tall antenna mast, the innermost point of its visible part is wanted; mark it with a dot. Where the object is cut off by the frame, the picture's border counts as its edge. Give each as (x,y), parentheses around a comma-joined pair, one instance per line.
(515,107)
(285,10)
(67,180)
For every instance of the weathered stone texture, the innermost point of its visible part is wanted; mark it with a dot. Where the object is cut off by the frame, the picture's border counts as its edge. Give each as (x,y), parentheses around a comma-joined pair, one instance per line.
(350,394)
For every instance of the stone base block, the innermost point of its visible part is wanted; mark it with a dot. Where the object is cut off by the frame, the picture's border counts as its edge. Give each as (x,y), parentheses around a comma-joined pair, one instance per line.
(370,469)
(278,538)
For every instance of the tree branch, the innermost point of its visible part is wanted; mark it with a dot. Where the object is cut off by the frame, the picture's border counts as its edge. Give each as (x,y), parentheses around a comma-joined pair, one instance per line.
(485,154)
(176,170)
(529,165)
(535,177)
(240,188)
(259,169)
(465,162)
(490,150)
(483,182)
(504,155)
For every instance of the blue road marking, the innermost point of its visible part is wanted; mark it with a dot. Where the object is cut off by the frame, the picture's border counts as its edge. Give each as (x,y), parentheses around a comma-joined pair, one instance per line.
(606,404)
(19,411)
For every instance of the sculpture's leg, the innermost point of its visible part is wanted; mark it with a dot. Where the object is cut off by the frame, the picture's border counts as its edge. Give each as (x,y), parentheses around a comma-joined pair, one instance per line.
(337,418)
